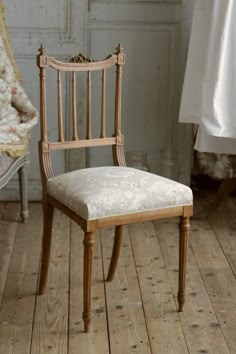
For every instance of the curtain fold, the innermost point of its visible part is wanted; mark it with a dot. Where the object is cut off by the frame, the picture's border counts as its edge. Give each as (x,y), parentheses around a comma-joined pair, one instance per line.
(209,90)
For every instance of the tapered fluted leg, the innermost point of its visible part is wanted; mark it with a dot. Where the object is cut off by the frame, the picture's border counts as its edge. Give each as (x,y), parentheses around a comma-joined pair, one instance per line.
(115,252)
(88,258)
(23,181)
(46,246)
(183,245)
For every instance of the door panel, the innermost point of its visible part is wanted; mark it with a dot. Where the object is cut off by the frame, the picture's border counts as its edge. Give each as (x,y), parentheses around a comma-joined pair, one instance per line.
(147,84)
(155,36)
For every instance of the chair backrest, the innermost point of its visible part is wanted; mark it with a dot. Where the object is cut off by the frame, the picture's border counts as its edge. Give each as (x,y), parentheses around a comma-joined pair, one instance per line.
(78,64)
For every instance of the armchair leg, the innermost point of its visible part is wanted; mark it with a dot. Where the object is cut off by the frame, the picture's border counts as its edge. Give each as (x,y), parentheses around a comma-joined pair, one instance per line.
(183,245)
(88,258)
(47,236)
(115,252)
(23,184)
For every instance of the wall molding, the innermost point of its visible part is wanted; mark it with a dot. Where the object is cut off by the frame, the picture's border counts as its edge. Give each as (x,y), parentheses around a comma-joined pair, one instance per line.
(167,142)
(158,2)
(65,23)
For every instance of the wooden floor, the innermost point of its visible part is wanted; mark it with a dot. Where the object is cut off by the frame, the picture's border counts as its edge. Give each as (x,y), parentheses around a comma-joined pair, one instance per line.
(136,313)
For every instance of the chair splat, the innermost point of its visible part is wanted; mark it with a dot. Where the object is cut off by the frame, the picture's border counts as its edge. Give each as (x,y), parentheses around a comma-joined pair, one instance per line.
(60,114)
(89,93)
(74,108)
(103,105)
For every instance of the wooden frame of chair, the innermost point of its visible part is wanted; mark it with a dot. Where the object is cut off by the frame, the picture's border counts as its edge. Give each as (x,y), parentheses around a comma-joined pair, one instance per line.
(117,142)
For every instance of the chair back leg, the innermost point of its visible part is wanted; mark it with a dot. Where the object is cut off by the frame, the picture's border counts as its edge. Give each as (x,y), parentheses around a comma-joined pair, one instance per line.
(183,245)
(47,236)
(115,252)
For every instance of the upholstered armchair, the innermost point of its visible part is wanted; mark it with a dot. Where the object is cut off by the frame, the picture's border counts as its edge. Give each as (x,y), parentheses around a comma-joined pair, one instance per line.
(17,117)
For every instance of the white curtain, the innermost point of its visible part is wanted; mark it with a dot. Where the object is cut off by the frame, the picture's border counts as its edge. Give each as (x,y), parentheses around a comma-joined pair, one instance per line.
(209,91)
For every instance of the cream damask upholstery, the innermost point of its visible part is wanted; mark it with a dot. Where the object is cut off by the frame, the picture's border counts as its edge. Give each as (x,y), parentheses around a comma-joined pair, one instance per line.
(102,192)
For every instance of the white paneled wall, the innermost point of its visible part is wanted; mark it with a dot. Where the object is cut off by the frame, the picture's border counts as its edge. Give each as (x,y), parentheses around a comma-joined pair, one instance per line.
(155,36)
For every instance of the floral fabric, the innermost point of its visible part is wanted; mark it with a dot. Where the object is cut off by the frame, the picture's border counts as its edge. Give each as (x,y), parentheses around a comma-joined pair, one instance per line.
(101,192)
(17,114)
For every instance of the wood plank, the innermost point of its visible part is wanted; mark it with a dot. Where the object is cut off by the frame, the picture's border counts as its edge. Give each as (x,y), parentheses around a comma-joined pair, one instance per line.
(223,223)
(127,326)
(97,340)
(218,278)
(17,311)
(2,208)
(7,238)
(50,332)
(233,198)
(10,212)
(200,325)
(164,328)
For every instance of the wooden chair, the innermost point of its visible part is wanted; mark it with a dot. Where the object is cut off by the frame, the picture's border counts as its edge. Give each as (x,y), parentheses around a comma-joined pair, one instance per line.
(102,196)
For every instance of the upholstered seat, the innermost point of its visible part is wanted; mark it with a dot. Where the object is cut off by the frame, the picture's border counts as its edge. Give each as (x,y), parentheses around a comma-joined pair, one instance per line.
(102,192)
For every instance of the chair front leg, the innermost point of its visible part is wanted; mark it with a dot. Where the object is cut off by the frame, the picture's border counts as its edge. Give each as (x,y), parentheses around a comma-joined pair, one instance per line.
(183,245)
(23,184)
(88,258)
(115,252)
(46,246)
